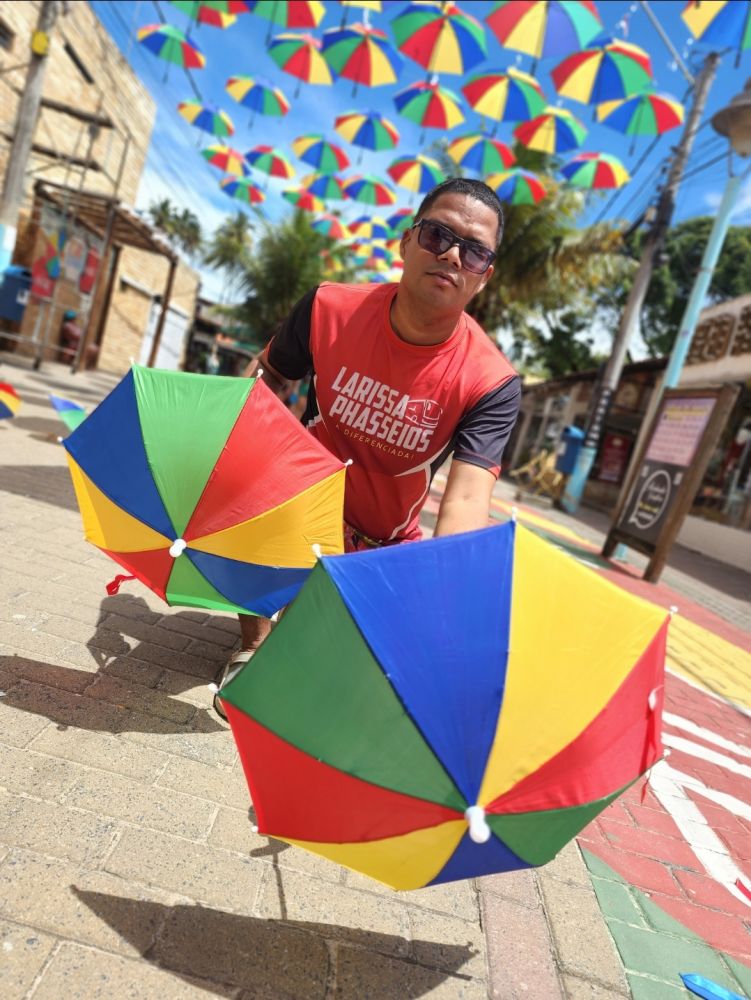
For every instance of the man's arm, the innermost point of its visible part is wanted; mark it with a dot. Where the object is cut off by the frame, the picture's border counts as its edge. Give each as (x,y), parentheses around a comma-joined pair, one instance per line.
(287,356)
(466,499)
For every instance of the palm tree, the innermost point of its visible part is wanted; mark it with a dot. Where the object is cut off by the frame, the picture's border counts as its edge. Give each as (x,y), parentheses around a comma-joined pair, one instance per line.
(229,247)
(182,228)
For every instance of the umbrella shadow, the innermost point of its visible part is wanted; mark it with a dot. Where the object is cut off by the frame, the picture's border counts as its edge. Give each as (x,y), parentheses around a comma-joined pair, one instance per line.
(48,483)
(41,427)
(285,958)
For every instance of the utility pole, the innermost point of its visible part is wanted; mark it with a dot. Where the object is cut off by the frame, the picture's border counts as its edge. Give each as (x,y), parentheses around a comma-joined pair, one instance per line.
(28,113)
(630,319)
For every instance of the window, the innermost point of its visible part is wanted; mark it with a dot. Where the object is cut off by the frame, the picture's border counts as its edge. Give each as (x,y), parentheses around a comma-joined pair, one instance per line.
(6,36)
(77,62)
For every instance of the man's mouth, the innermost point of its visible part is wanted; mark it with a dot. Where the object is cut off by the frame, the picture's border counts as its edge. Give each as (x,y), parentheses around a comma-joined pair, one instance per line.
(443,275)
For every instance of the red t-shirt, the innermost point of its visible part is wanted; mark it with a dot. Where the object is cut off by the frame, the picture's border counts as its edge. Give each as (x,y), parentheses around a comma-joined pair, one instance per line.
(396,409)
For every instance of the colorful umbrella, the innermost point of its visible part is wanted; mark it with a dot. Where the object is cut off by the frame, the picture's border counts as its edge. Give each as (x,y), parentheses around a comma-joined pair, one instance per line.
(300,56)
(367,129)
(207,117)
(401,220)
(479,152)
(292,14)
(320,153)
(517,187)
(556,130)
(545,28)
(217,13)
(226,159)
(71,414)
(440,36)
(370,227)
(595,171)
(427,104)
(206,489)
(362,54)
(416,173)
(242,189)
(608,71)
(168,42)
(270,161)
(369,189)
(304,200)
(416,759)
(720,23)
(511,96)
(326,186)
(260,96)
(331,226)
(649,113)
(10,401)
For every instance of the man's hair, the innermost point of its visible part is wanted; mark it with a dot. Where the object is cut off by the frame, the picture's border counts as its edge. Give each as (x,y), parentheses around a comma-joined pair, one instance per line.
(472,189)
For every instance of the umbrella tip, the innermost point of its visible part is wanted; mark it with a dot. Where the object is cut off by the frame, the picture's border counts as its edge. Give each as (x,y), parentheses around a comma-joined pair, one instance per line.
(479,831)
(178,547)
(673,609)
(348,462)
(514,512)
(259,373)
(316,550)
(214,688)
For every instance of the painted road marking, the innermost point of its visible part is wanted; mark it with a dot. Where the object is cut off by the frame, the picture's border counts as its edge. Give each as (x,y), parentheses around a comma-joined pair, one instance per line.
(691,727)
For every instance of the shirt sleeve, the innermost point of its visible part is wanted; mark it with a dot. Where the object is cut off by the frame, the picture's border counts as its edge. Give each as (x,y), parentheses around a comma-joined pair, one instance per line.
(289,349)
(484,430)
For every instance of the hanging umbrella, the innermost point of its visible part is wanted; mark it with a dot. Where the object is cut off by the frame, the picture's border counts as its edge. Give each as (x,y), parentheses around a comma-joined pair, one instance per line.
(595,171)
(369,189)
(545,28)
(270,161)
(319,153)
(370,227)
(331,226)
(416,173)
(720,23)
(300,56)
(401,220)
(71,414)
(168,42)
(517,187)
(427,104)
(226,159)
(217,13)
(304,200)
(242,189)
(292,14)
(10,401)
(206,489)
(608,71)
(511,96)
(207,117)
(556,130)
(416,759)
(326,186)
(367,129)
(260,96)
(479,152)
(440,36)
(362,54)
(648,113)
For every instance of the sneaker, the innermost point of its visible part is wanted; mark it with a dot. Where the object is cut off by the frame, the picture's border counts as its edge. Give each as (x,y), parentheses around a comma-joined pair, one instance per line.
(231,669)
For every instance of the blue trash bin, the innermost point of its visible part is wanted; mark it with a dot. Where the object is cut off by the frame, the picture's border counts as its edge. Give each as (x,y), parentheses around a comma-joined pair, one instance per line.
(15,283)
(568,449)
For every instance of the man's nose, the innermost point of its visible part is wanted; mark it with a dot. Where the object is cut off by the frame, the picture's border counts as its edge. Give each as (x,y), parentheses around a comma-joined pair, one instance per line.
(453,255)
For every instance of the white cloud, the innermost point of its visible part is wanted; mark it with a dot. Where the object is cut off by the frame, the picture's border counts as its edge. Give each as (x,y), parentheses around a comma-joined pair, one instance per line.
(741,210)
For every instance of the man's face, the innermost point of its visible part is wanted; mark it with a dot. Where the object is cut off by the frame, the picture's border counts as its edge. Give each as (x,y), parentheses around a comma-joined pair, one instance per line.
(441,280)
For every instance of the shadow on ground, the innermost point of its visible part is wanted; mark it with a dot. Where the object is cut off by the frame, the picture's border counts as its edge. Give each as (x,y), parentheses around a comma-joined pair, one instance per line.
(46,483)
(275,958)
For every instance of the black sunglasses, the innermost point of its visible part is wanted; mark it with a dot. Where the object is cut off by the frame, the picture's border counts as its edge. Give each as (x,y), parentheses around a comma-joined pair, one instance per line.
(438,239)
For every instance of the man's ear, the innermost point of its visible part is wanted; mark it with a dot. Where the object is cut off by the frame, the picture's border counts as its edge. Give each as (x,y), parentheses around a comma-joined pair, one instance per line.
(485,279)
(406,236)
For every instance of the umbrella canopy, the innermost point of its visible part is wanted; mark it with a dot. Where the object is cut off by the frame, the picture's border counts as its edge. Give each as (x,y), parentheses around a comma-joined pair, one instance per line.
(511,96)
(326,186)
(291,14)
(609,71)
(477,151)
(270,161)
(10,401)
(430,105)
(440,36)
(367,129)
(649,113)
(304,200)
(225,158)
(300,56)
(517,187)
(71,414)
(369,189)
(207,117)
(206,489)
(319,153)
(242,189)
(362,54)
(416,173)
(217,13)
(416,759)
(545,28)
(331,226)
(595,171)
(258,95)
(720,22)
(370,227)
(556,130)
(168,42)
(401,220)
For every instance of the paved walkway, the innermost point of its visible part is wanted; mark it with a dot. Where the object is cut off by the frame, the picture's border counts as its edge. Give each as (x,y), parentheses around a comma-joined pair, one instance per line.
(127,862)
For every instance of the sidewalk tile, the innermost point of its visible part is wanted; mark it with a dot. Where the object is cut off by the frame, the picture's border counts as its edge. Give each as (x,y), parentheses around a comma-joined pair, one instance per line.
(518,886)
(644,873)
(456,898)
(215,784)
(54,829)
(140,699)
(650,989)
(575,988)
(617,902)
(706,891)
(366,974)
(23,952)
(434,938)
(741,972)
(722,931)
(521,959)
(43,777)
(100,750)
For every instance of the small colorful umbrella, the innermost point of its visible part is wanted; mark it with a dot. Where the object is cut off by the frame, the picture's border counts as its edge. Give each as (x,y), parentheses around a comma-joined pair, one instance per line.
(720,23)
(511,96)
(270,161)
(481,153)
(291,14)
(10,401)
(331,226)
(416,173)
(300,56)
(362,54)
(517,187)
(217,13)
(595,171)
(326,186)
(416,759)
(242,189)
(319,153)
(545,28)
(258,95)
(369,189)
(440,36)
(556,130)
(427,104)
(608,71)
(206,489)
(367,129)
(226,159)
(71,414)
(370,227)
(304,200)
(401,220)
(649,113)
(207,117)
(168,42)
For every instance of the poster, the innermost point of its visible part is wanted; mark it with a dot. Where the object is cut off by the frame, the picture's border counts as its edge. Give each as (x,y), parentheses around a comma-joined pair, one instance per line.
(89,273)
(75,259)
(614,456)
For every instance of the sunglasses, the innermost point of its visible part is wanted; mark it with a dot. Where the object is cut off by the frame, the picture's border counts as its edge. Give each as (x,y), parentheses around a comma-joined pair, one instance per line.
(438,239)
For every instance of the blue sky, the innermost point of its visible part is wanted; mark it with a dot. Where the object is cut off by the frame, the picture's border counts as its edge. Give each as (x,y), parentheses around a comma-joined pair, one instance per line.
(176,170)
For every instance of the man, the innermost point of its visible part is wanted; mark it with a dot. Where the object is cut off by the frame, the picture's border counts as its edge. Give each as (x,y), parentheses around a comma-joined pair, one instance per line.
(402,377)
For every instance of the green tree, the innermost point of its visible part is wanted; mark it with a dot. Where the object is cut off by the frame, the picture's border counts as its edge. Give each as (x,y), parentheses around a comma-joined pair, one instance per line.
(230,246)
(182,228)
(560,343)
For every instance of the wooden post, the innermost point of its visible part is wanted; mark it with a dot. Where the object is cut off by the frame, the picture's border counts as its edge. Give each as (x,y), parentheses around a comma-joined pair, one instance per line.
(163,315)
(90,325)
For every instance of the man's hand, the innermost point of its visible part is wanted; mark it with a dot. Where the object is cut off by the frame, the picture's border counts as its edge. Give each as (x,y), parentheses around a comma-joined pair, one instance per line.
(466,501)
(276,382)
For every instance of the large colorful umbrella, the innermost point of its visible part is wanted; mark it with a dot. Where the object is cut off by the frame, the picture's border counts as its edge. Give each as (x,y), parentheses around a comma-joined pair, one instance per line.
(304,200)
(556,130)
(217,13)
(517,187)
(291,14)
(720,23)
(320,153)
(416,759)
(401,220)
(416,173)
(369,189)
(440,36)
(362,54)
(649,113)
(331,226)
(327,186)
(427,104)
(545,28)
(511,96)
(71,414)
(270,161)
(300,56)
(258,95)
(10,401)
(226,159)
(242,189)
(206,489)
(207,117)
(607,71)
(481,153)
(595,171)
(367,129)
(168,42)
(370,227)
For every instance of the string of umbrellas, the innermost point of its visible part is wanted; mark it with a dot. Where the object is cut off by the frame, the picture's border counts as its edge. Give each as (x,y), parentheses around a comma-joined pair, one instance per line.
(611,75)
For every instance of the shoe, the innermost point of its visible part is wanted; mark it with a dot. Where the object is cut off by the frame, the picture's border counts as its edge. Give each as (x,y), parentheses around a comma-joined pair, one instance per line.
(231,669)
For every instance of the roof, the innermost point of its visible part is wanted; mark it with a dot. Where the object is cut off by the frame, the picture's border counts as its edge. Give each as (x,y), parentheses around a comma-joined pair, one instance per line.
(591,374)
